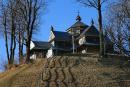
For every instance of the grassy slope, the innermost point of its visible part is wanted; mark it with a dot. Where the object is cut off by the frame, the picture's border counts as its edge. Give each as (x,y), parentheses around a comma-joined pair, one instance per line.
(6,77)
(66,72)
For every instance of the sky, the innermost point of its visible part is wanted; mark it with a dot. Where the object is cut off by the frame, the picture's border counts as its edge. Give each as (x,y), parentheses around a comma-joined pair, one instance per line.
(61,14)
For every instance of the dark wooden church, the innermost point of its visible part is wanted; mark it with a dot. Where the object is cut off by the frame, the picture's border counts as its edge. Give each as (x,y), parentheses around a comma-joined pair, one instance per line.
(79,38)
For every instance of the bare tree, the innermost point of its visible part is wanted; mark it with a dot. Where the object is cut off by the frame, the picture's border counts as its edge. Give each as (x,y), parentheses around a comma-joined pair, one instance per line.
(21,45)
(19,20)
(13,29)
(29,10)
(4,23)
(20,30)
(4,28)
(9,26)
(119,25)
(97,4)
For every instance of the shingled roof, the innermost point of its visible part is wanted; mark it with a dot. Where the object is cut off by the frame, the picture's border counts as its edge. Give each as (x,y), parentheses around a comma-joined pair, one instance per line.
(41,45)
(62,36)
(79,24)
(90,31)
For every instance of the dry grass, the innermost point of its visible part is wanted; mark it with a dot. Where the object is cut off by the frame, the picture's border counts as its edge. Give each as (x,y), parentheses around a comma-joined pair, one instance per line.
(66,71)
(6,77)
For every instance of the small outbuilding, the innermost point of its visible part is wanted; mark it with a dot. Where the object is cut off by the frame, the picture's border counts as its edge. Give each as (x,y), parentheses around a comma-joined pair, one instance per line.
(39,49)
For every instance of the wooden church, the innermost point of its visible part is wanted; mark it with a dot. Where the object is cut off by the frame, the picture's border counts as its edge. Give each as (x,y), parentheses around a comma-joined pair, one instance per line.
(79,38)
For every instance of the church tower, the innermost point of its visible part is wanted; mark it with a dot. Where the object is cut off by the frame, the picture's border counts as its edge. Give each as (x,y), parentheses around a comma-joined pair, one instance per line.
(78,27)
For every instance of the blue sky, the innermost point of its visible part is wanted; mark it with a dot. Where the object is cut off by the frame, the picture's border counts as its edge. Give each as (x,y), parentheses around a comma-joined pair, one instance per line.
(61,14)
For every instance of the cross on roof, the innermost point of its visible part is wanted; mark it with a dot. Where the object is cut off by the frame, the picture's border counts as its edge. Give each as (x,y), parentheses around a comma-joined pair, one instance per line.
(78,17)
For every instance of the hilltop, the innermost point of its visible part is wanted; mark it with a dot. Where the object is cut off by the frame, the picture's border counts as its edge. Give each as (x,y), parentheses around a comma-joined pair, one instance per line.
(67,71)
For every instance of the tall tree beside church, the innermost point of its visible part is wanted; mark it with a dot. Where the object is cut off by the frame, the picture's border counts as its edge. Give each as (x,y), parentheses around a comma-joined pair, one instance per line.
(30,10)
(97,4)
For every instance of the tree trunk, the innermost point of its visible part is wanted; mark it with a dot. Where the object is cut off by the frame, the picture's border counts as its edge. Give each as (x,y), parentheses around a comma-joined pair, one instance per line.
(28,48)
(100,29)
(28,52)
(11,47)
(6,43)
(14,46)
(13,37)
(20,47)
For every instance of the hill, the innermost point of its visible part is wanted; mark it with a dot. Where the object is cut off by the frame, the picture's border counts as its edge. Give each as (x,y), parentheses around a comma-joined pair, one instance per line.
(67,71)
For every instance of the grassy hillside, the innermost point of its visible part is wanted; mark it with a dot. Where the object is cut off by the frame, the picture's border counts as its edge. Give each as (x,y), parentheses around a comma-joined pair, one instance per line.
(67,71)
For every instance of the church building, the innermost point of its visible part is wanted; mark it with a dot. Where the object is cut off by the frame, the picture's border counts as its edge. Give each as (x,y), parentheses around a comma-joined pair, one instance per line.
(78,38)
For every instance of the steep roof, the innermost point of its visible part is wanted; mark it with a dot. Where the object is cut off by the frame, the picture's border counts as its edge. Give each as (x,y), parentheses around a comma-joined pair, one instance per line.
(90,31)
(63,36)
(41,45)
(79,24)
